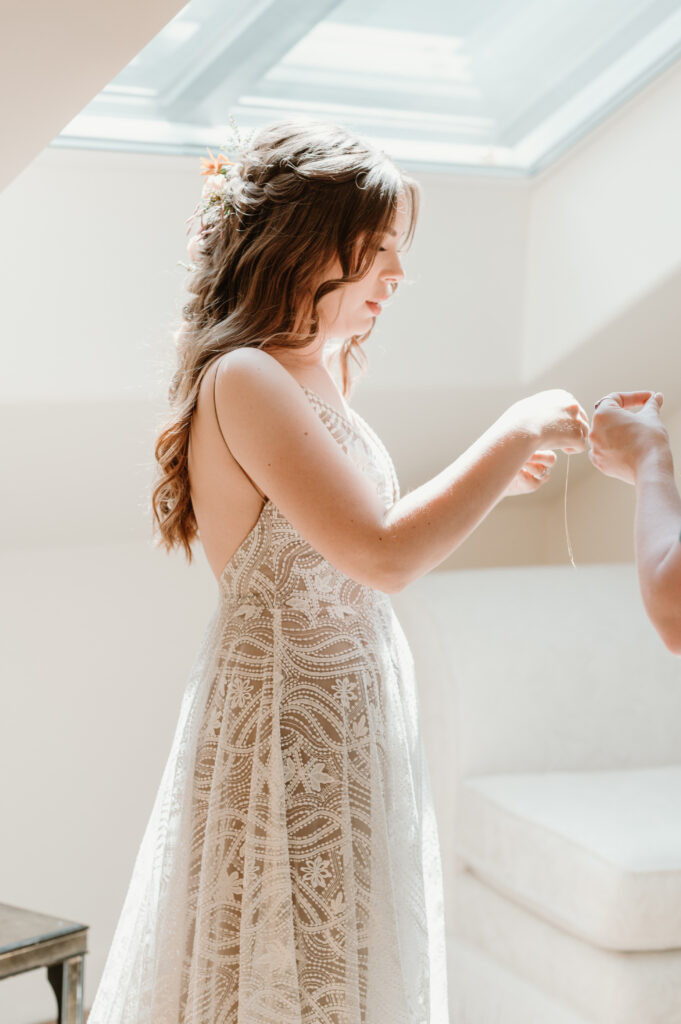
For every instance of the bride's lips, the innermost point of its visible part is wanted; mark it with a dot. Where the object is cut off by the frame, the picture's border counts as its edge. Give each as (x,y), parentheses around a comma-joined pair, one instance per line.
(374,307)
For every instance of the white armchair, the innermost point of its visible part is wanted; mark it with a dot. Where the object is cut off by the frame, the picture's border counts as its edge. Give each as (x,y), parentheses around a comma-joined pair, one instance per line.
(551,715)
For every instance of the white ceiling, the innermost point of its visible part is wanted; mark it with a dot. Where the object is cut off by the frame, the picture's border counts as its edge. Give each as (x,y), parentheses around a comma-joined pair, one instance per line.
(483,85)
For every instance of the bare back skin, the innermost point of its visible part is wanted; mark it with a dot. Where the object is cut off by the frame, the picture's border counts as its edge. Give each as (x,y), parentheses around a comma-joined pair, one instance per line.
(226,501)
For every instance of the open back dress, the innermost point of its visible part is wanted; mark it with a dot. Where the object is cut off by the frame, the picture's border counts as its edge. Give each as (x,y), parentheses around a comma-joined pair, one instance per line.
(290,870)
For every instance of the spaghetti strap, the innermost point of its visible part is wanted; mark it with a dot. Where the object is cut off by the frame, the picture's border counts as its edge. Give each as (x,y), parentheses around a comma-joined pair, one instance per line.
(215,406)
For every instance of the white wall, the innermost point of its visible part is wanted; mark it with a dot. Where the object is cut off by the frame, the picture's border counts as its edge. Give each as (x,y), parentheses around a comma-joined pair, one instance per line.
(94,242)
(605,225)
(98,642)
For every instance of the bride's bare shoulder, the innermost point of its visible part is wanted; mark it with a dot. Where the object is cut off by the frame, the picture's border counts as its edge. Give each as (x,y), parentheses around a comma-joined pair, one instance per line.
(252,375)
(249,360)
(240,368)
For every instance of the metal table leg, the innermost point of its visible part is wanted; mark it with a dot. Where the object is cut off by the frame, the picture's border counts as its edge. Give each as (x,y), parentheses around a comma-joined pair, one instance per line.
(66,978)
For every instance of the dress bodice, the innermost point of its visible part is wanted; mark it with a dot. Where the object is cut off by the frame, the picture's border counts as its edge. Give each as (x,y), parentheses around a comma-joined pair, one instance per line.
(277,567)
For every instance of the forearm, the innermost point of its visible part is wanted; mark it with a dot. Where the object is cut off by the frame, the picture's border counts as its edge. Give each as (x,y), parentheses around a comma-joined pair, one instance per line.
(429,523)
(658,548)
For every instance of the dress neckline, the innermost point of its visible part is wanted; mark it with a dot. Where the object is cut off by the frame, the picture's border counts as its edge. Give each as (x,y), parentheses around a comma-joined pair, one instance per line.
(332,408)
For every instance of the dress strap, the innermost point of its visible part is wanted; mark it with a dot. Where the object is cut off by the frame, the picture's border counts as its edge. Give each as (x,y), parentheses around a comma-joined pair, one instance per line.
(215,406)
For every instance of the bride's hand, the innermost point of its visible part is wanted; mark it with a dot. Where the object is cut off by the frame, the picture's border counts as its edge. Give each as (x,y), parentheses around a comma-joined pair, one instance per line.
(554,419)
(533,474)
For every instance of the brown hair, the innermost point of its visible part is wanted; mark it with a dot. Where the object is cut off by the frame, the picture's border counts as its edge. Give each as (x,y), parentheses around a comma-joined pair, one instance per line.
(302,195)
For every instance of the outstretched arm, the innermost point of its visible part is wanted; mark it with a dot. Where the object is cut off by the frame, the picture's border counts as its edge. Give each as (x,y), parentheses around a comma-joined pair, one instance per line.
(634,447)
(281,443)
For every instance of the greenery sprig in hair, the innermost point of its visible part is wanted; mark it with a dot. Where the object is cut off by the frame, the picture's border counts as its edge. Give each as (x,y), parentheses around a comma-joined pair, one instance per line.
(237,142)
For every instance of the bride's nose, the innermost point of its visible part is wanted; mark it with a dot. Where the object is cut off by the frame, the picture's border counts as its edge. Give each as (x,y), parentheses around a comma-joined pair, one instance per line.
(394,270)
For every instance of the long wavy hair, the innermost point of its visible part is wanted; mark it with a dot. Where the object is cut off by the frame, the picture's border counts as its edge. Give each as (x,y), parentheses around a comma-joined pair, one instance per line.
(302,195)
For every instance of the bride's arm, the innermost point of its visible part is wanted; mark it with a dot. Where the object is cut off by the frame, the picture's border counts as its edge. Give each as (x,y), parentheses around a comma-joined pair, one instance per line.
(280,441)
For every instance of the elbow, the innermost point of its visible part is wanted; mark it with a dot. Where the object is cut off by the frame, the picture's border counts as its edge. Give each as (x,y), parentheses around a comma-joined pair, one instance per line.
(391,576)
(674,645)
(663,604)
(391,571)
(666,619)
(392,585)
(670,634)
(387,580)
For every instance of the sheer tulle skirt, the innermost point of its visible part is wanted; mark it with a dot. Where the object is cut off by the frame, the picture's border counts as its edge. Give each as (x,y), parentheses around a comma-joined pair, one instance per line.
(290,867)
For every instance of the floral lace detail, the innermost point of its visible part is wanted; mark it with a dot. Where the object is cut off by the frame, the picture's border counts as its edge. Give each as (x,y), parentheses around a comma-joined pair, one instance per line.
(317,871)
(345,691)
(308,773)
(290,868)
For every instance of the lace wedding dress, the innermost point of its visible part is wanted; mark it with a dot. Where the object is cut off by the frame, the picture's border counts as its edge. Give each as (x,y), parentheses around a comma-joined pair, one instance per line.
(290,869)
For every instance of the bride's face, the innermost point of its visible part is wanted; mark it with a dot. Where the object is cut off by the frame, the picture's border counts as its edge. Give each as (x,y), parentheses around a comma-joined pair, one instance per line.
(352,308)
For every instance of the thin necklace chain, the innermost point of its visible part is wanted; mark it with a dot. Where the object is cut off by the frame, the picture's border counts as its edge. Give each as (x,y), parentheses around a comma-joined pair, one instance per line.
(565,516)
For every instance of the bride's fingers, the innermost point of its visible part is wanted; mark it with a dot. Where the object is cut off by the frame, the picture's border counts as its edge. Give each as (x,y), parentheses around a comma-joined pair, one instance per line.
(539,470)
(534,480)
(544,458)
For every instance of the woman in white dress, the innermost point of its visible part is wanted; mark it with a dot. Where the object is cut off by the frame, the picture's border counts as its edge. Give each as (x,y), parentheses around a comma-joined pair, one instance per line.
(289,872)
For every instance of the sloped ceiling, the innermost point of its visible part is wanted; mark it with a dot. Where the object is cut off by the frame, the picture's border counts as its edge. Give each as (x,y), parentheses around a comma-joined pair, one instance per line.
(55,57)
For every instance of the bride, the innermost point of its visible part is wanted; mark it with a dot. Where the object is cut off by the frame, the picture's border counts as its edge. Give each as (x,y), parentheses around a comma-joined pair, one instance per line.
(290,869)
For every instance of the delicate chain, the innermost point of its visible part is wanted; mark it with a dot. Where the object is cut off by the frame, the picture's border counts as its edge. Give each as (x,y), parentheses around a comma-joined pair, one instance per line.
(567,532)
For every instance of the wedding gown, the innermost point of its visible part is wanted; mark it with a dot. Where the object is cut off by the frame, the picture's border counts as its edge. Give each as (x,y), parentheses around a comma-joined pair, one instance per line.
(290,869)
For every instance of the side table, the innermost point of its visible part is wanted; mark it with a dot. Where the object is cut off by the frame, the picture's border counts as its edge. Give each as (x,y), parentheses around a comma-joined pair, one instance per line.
(29,940)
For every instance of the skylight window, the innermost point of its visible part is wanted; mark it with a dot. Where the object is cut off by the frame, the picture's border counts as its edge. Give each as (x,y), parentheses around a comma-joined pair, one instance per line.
(487,86)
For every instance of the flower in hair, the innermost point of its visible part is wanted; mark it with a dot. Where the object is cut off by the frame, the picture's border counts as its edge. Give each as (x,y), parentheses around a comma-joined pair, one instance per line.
(213,189)
(221,177)
(214,194)
(215,164)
